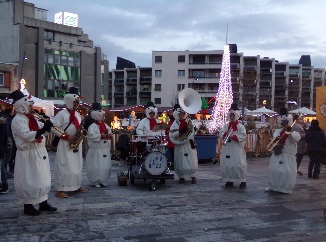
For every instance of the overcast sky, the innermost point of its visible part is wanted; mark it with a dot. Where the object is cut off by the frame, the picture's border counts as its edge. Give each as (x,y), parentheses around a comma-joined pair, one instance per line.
(280,29)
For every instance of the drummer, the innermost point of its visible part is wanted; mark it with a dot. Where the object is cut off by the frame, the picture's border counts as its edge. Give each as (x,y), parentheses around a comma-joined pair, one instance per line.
(145,128)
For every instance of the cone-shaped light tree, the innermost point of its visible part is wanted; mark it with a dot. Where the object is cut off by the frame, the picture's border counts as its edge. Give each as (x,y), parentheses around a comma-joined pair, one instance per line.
(224,96)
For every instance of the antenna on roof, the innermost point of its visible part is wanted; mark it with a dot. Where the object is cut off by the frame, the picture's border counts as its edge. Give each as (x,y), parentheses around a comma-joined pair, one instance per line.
(226,37)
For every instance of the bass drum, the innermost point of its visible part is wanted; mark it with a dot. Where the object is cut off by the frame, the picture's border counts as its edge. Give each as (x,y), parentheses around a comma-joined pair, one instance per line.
(155,163)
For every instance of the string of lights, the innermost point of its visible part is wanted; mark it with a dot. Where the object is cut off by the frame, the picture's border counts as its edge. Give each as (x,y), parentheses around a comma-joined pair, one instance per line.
(224,96)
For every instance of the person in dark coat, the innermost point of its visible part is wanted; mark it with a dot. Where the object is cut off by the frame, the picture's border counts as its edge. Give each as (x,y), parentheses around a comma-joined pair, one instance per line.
(316,143)
(3,146)
(123,145)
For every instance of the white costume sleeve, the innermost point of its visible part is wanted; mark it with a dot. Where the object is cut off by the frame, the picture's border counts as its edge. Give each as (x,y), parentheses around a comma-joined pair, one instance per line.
(295,136)
(94,132)
(241,134)
(223,130)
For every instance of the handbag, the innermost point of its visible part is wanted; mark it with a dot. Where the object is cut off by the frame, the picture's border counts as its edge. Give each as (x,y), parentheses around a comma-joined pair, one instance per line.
(56,139)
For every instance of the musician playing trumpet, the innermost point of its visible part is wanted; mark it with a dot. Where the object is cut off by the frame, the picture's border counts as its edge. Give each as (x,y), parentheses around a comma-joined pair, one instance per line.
(68,162)
(233,155)
(185,153)
(32,178)
(283,167)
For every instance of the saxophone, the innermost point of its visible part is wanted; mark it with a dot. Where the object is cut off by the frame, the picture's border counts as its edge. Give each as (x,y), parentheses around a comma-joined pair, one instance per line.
(186,136)
(79,136)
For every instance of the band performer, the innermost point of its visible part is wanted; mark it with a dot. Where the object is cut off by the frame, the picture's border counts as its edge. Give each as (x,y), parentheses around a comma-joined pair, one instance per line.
(98,160)
(146,125)
(185,153)
(68,162)
(282,172)
(233,155)
(32,178)
(301,145)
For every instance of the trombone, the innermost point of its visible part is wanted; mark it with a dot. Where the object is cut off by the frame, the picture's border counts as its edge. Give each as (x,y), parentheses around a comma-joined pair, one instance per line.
(275,140)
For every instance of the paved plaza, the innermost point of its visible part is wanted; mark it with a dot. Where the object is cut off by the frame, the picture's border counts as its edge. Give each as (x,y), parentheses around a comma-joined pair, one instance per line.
(175,212)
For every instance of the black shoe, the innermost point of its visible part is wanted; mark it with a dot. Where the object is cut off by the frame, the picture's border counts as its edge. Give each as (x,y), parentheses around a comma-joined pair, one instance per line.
(182,180)
(193,180)
(4,190)
(229,184)
(243,184)
(300,173)
(309,176)
(30,210)
(315,177)
(45,206)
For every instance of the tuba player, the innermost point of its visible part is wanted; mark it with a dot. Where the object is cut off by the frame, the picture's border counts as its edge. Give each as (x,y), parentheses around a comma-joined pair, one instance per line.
(185,153)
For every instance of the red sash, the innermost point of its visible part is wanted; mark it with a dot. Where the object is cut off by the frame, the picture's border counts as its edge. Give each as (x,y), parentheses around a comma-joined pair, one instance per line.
(152,123)
(73,118)
(103,129)
(33,126)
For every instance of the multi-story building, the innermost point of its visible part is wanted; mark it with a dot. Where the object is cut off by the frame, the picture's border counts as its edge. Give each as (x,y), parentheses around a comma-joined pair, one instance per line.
(130,86)
(50,57)
(255,81)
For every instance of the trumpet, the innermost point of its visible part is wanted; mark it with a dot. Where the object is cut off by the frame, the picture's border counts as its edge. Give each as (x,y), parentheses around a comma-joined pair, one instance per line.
(45,119)
(275,140)
(225,140)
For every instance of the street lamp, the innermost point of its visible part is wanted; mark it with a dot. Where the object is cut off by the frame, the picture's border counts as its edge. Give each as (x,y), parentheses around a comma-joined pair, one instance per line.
(21,72)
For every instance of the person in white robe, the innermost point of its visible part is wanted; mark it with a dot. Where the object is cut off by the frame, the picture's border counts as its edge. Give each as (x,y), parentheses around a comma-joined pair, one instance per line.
(146,125)
(185,153)
(68,162)
(98,159)
(233,155)
(32,180)
(282,171)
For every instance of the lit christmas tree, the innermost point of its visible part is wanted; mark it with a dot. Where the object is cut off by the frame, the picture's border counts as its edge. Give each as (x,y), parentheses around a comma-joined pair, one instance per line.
(224,96)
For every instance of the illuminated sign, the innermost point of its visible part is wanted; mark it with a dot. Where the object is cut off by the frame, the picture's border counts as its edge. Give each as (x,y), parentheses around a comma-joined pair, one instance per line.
(65,18)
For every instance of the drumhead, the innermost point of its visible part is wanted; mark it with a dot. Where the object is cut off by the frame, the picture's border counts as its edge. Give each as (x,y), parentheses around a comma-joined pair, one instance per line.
(156,163)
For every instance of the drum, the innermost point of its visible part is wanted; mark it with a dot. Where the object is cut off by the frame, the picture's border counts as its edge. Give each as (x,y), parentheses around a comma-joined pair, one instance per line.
(137,148)
(155,163)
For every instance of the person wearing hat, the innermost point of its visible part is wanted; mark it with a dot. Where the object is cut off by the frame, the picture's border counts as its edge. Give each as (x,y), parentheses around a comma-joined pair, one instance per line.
(32,178)
(146,125)
(68,163)
(98,159)
(233,155)
(282,171)
(185,153)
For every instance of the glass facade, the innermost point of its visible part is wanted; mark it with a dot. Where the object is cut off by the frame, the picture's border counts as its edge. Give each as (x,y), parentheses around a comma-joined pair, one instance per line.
(61,71)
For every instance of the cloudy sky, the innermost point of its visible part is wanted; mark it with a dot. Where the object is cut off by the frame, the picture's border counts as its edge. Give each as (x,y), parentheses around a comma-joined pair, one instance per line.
(280,29)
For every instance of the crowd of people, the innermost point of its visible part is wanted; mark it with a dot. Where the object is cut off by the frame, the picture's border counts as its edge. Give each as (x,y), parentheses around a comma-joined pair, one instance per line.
(22,149)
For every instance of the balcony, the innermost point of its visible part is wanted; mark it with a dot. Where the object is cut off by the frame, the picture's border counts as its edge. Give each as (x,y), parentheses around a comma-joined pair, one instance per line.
(131,94)
(145,80)
(118,82)
(131,81)
(118,94)
(280,73)
(145,94)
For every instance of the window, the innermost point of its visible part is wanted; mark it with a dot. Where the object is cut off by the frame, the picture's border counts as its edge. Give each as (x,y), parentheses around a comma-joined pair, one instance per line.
(157,87)
(181,58)
(181,73)
(2,79)
(158,59)
(157,100)
(180,87)
(198,73)
(158,73)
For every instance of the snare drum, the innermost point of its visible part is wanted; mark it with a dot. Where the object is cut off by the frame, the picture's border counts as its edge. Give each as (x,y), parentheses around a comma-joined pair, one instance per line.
(137,148)
(155,163)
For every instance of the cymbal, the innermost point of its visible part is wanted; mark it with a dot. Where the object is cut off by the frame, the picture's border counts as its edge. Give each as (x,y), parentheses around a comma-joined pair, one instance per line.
(161,126)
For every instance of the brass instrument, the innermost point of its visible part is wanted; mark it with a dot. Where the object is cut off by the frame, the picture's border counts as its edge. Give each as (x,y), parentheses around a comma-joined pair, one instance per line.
(45,119)
(225,140)
(275,140)
(78,137)
(186,136)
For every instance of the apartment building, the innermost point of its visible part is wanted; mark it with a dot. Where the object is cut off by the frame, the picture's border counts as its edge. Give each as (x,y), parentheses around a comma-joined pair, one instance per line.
(130,86)
(50,57)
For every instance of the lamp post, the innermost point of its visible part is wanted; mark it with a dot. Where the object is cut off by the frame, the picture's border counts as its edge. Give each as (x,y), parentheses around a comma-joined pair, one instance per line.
(22,70)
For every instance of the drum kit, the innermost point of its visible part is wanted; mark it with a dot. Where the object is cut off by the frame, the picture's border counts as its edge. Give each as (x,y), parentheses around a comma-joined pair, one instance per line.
(148,161)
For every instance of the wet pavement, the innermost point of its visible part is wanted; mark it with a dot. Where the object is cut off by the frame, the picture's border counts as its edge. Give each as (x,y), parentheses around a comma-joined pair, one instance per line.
(206,211)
